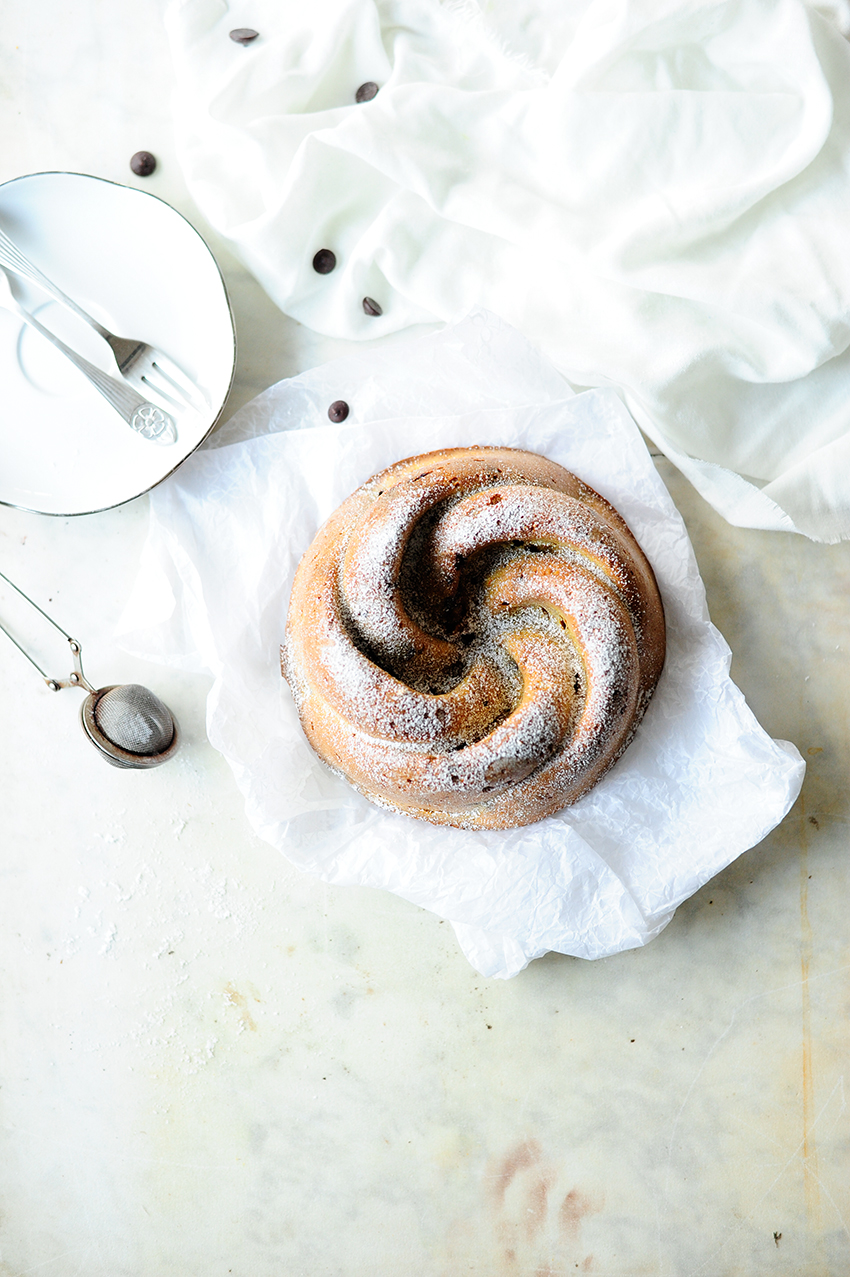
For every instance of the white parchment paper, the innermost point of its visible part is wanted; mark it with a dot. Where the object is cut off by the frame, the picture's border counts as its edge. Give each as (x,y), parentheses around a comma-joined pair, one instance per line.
(700,783)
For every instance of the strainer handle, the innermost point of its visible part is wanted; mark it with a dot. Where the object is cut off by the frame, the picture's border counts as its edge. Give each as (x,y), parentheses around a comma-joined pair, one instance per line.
(75,679)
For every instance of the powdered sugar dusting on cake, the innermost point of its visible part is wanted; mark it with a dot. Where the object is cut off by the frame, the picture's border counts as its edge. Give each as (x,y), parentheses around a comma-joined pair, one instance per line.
(468,638)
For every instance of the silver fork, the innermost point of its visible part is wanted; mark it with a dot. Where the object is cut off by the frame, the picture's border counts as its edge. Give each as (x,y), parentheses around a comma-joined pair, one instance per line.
(145,418)
(141,365)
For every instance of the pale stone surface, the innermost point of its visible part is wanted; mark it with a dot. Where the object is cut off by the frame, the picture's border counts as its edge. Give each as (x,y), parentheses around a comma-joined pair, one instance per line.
(213,1064)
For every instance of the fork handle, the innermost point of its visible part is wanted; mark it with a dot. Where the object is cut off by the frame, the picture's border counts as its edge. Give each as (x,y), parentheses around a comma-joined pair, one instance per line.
(140,415)
(13,259)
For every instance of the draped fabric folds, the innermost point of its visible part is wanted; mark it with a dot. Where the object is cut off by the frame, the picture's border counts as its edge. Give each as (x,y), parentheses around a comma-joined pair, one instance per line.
(655,191)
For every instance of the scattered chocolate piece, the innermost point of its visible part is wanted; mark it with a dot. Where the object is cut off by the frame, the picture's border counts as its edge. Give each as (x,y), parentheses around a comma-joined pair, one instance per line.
(143,163)
(366,92)
(371,307)
(338,410)
(243,35)
(324,261)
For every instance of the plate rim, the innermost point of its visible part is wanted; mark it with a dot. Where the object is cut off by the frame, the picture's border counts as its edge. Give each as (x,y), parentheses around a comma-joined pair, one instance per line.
(92,177)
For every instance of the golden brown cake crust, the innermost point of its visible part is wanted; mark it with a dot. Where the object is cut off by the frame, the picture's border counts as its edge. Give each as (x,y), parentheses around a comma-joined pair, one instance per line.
(473,638)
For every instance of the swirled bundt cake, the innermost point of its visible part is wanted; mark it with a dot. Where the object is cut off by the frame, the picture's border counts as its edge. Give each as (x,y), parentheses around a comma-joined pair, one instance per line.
(473,638)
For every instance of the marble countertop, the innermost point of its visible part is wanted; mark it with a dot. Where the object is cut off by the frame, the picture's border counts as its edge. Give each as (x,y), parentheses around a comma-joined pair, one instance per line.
(214,1064)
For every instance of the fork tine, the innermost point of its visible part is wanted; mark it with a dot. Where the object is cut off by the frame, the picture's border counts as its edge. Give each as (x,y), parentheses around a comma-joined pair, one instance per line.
(179,381)
(156,392)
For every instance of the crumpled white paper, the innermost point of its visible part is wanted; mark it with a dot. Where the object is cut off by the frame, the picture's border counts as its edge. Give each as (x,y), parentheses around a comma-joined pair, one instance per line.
(700,783)
(656,192)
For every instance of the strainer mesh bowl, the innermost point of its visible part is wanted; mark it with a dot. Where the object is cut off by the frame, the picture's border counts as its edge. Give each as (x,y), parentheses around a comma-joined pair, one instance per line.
(133,718)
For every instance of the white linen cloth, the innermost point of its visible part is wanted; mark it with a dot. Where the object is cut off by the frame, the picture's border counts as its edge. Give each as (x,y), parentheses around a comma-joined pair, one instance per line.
(700,783)
(657,192)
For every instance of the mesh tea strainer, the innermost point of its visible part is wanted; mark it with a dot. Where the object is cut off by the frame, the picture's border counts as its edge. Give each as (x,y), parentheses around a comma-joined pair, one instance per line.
(128,724)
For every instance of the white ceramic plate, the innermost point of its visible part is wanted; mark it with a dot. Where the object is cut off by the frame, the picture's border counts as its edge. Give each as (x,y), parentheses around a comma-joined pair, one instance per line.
(137,265)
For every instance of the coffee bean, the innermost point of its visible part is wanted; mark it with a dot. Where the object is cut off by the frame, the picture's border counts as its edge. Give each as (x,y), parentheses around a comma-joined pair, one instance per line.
(143,163)
(243,35)
(324,261)
(366,92)
(371,307)
(338,411)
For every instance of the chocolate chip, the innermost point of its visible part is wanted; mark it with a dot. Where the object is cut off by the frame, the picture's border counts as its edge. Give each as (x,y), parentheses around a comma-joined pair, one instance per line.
(371,307)
(338,410)
(243,35)
(324,261)
(143,163)
(366,92)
